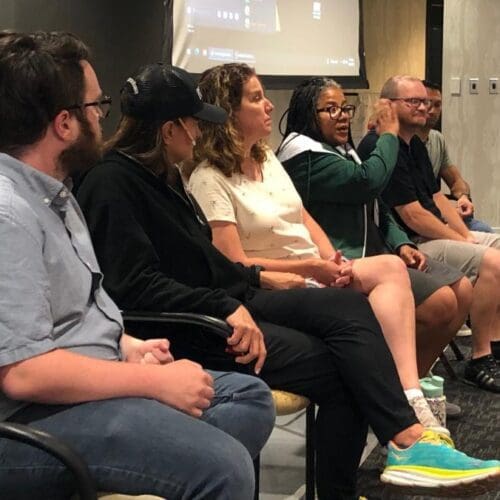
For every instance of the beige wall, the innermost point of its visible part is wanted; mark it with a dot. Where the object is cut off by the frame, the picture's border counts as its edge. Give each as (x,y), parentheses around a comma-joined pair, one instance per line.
(471,123)
(394,33)
(394,39)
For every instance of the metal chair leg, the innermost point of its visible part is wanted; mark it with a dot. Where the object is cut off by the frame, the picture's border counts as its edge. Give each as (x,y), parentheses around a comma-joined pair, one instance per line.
(256,466)
(447,366)
(456,350)
(310,452)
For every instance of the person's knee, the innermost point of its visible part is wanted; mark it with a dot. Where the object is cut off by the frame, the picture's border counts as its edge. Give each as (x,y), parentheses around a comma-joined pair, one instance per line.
(490,263)
(393,268)
(463,292)
(207,462)
(248,387)
(439,309)
(226,472)
(257,422)
(393,262)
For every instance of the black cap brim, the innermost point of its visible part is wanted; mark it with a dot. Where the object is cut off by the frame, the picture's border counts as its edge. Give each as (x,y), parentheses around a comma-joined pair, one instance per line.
(211,113)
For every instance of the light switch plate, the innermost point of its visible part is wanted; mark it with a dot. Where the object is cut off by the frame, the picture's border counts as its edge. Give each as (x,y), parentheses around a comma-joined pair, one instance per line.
(455,85)
(473,85)
(493,85)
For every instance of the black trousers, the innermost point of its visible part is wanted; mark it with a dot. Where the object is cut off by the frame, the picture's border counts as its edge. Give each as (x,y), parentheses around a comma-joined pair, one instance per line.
(325,344)
(355,384)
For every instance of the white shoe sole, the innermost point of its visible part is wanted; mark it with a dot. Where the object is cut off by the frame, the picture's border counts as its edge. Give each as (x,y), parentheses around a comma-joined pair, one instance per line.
(410,483)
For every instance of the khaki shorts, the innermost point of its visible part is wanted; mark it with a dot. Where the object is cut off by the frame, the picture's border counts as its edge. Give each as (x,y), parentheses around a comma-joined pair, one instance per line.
(464,256)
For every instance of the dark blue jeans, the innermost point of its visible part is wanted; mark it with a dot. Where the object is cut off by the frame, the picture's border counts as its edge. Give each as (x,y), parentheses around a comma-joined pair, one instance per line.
(136,446)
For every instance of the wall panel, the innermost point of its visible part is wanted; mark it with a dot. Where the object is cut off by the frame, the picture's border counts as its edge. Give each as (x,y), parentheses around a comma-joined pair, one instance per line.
(122,34)
(471,123)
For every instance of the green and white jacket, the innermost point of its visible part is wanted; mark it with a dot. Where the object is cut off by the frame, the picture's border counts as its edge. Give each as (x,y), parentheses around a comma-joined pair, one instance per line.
(341,192)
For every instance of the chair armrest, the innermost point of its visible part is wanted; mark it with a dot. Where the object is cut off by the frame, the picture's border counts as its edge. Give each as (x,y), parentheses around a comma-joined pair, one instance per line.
(215,325)
(57,448)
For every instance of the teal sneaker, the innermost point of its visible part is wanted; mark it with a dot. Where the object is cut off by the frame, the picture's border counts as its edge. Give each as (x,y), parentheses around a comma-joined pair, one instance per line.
(433,467)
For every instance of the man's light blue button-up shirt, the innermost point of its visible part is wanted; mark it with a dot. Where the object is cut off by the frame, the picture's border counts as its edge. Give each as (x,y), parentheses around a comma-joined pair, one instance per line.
(50,283)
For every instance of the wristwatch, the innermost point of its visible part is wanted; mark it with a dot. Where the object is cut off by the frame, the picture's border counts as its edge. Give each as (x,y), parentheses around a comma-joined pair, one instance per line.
(255,275)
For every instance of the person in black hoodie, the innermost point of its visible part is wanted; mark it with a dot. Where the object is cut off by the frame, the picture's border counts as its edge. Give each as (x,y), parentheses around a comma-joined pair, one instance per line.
(154,246)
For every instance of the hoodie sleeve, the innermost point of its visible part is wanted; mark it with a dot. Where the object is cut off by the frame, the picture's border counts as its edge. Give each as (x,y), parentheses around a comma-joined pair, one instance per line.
(394,236)
(332,177)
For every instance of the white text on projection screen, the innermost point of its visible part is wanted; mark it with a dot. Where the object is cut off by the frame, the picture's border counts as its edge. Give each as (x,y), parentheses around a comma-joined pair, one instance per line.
(277,37)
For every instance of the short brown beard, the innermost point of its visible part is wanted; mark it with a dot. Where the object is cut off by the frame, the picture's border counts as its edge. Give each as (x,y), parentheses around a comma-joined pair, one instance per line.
(83,154)
(431,123)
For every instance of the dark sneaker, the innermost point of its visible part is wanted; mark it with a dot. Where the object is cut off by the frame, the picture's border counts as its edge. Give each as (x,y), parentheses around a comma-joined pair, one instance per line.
(484,372)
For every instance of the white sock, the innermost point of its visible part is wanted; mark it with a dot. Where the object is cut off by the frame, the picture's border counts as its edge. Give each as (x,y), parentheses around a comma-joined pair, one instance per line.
(413,393)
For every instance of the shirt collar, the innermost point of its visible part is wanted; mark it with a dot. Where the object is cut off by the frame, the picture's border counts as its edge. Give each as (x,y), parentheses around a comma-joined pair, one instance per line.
(49,190)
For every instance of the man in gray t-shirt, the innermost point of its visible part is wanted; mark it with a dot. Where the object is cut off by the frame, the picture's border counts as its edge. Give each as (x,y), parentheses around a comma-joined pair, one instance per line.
(143,422)
(442,165)
(438,153)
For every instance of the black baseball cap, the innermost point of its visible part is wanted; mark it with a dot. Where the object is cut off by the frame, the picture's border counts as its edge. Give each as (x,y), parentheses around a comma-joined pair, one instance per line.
(163,92)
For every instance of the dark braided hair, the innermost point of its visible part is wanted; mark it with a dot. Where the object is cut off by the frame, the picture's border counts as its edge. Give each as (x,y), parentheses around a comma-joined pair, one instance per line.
(302,117)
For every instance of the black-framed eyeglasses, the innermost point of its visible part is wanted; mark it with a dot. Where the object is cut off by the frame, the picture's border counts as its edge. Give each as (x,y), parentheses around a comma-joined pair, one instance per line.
(335,111)
(103,105)
(414,102)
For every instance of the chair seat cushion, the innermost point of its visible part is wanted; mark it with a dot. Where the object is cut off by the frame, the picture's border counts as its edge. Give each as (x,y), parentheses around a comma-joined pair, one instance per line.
(287,402)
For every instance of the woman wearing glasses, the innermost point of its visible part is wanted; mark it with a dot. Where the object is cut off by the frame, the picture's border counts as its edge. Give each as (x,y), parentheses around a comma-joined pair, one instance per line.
(341,193)
(257,217)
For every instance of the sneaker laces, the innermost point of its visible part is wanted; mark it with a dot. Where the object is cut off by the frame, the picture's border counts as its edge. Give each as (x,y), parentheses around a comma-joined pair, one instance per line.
(436,438)
(432,437)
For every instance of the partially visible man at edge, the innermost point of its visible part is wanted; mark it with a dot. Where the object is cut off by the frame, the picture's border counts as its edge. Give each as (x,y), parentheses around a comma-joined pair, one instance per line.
(442,166)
